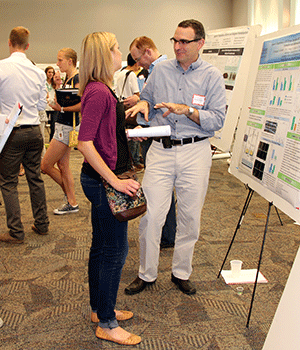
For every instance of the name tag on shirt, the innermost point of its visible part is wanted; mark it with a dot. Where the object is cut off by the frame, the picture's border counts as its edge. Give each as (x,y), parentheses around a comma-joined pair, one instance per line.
(198,100)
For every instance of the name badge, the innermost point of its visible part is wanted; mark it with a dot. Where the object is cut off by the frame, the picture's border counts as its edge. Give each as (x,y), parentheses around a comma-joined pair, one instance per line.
(198,100)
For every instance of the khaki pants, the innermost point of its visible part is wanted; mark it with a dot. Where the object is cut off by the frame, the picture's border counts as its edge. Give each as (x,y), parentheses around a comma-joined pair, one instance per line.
(186,168)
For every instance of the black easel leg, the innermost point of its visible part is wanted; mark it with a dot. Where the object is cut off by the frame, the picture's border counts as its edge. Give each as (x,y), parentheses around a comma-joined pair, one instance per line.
(259,261)
(281,223)
(248,199)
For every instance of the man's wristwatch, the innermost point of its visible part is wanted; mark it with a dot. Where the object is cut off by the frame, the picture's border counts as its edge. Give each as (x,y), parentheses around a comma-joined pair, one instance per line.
(62,110)
(190,112)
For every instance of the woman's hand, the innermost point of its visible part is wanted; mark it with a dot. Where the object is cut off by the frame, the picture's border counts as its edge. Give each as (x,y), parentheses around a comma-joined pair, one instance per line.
(128,186)
(55,106)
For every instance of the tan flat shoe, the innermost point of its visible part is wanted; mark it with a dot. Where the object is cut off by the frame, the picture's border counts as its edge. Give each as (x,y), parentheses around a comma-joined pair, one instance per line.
(123,315)
(131,340)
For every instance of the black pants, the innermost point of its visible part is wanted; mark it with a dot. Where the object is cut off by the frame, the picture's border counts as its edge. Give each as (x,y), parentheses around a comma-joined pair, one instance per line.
(23,146)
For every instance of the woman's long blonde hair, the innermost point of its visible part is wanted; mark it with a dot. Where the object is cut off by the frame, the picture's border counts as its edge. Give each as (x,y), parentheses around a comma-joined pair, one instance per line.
(96,63)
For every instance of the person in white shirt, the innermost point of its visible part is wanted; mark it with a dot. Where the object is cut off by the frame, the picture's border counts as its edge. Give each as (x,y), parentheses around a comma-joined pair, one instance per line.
(127,91)
(127,84)
(21,81)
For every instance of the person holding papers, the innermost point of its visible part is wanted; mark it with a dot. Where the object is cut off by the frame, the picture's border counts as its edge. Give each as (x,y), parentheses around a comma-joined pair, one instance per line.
(59,150)
(187,94)
(22,82)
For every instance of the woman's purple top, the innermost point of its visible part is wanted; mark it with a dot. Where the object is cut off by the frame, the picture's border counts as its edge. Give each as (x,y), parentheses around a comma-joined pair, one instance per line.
(98,111)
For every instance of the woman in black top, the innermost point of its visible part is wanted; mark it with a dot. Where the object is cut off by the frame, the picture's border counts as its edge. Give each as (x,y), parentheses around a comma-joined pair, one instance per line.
(59,150)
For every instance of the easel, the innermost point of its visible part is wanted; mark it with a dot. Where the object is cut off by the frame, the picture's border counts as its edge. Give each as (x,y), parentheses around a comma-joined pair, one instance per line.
(246,205)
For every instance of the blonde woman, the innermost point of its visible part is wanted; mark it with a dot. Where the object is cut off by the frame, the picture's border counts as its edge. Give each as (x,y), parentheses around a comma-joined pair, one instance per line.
(59,150)
(103,143)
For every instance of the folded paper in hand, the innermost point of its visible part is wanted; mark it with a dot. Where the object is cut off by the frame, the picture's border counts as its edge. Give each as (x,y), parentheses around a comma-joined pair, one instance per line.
(153,131)
(6,129)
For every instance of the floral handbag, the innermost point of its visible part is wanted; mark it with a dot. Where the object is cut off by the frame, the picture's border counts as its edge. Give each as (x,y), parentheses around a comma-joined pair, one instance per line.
(124,207)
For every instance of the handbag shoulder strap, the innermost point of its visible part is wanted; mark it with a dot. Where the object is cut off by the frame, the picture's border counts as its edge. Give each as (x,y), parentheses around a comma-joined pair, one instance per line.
(126,76)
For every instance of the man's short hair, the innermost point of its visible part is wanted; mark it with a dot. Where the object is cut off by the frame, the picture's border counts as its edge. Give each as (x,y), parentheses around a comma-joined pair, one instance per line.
(130,61)
(19,37)
(142,43)
(196,25)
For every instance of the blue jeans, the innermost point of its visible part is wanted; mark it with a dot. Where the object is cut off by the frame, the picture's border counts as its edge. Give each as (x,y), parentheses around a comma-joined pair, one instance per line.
(134,148)
(107,255)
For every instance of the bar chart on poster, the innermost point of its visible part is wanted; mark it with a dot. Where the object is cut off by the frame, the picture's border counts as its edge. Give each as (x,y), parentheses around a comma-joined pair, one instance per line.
(266,152)
(230,50)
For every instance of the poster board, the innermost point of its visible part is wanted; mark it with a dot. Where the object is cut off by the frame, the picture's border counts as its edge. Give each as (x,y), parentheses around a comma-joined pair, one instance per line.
(266,152)
(284,330)
(230,50)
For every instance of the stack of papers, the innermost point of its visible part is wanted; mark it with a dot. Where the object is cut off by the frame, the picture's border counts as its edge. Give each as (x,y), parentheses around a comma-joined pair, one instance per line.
(246,276)
(6,129)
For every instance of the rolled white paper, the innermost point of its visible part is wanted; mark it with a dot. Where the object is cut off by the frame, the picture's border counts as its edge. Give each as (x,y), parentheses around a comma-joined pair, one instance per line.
(152,131)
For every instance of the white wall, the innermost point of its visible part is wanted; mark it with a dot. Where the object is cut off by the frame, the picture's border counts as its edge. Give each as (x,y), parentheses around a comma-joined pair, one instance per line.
(55,24)
(239,13)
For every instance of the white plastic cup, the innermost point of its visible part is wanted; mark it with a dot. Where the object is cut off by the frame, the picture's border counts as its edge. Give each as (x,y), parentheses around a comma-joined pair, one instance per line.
(1,322)
(236,266)
(239,290)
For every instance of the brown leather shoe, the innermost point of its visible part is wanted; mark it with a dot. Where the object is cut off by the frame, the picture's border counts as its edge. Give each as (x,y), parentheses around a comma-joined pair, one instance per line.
(38,231)
(122,315)
(186,286)
(131,340)
(137,286)
(6,237)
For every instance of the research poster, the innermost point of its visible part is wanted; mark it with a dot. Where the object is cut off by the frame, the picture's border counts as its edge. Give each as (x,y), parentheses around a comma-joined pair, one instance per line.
(266,154)
(230,51)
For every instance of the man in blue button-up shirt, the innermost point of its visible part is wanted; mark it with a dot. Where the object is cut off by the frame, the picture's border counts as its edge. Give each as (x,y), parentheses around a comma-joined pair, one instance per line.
(189,95)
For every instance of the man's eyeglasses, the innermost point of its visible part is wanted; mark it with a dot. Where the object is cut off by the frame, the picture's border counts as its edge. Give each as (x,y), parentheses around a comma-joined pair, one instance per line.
(139,58)
(183,41)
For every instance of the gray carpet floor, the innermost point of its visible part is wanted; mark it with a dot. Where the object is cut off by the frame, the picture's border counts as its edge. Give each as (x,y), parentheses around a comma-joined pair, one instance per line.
(44,297)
